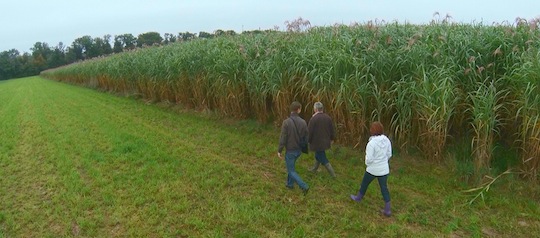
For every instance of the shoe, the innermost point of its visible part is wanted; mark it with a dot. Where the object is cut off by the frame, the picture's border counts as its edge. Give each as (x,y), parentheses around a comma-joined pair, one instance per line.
(386,211)
(358,197)
(330,170)
(315,167)
(289,187)
(305,191)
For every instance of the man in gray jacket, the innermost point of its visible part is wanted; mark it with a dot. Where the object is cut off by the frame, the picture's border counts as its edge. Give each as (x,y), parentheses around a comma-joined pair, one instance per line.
(293,130)
(321,134)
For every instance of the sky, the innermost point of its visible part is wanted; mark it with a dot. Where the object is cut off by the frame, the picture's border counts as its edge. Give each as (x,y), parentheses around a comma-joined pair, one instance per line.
(25,22)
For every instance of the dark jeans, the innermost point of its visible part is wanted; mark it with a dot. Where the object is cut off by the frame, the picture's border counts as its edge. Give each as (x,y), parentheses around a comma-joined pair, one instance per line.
(292,175)
(368,178)
(320,156)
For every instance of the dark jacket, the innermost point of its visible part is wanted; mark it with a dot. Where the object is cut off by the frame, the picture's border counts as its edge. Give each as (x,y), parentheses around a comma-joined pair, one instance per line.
(289,138)
(321,132)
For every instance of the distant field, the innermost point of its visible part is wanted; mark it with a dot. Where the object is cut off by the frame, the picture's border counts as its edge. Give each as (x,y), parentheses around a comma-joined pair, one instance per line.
(77,162)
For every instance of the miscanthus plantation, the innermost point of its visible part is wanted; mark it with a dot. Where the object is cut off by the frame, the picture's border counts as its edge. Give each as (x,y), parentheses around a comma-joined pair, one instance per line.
(434,86)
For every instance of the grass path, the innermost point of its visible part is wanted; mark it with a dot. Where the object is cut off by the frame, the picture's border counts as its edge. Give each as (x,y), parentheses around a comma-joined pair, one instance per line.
(76,162)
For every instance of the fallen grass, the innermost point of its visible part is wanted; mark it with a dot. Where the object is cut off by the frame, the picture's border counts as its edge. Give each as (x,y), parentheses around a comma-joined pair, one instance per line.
(76,162)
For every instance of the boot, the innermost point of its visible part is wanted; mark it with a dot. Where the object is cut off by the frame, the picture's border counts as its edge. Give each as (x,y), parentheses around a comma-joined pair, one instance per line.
(315,167)
(358,197)
(330,169)
(386,210)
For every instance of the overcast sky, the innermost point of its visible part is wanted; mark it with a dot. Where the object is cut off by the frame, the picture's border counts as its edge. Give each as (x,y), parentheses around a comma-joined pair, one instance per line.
(25,22)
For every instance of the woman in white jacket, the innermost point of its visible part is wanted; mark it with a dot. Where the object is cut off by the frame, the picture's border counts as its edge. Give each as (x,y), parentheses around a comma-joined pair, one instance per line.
(378,153)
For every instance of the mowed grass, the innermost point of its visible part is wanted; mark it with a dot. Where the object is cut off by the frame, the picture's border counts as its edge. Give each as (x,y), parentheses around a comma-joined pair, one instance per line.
(80,163)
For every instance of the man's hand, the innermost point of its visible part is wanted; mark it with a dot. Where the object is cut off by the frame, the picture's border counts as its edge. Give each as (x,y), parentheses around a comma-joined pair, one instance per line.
(279,155)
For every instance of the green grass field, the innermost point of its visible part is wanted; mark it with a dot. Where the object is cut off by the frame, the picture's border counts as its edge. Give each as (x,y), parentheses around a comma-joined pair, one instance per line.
(80,163)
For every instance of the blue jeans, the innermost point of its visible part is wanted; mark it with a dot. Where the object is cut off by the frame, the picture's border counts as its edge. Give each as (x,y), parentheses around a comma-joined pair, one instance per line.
(368,178)
(292,176)
(320,156)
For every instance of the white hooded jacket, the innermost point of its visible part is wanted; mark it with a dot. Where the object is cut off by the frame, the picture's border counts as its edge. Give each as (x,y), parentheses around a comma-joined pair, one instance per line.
(378,152)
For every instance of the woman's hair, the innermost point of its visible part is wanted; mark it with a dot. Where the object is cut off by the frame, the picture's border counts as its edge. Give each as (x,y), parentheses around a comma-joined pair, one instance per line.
(376,129)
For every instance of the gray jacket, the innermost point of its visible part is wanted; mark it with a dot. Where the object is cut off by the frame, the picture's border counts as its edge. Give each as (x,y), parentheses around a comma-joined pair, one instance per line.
(289,138)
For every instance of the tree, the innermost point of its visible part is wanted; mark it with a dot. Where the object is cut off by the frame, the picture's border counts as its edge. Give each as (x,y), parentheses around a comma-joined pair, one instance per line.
(127,41)
(9,66)
(57,56)
(205,35)
(98,47)
(169,38)
(74,53)
(40,53)
(118,46)
(27,69)
(224,33)
(185,36)
(83,47)
(253,32)
(149,39)
(107,49)
(219,32)
(41,48)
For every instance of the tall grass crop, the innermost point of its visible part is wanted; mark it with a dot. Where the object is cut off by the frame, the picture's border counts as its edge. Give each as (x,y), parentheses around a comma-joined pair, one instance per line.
(527,89)
(427,83)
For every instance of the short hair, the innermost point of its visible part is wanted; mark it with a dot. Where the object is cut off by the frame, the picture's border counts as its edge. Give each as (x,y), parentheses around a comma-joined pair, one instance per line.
(376,129)
(318,106)
(295,106)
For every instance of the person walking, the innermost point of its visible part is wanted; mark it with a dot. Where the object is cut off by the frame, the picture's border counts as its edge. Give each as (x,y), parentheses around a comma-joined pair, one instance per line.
(321,134)
(378,153)
(293,132)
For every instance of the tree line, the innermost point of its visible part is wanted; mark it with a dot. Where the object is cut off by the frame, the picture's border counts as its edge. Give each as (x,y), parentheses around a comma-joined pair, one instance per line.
(14,64)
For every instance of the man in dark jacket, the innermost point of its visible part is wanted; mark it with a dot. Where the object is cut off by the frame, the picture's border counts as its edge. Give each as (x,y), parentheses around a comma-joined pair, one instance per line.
(321,134)
(293,130)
